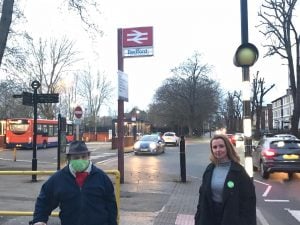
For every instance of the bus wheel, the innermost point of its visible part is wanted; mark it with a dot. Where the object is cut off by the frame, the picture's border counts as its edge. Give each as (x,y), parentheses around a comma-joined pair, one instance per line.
(44,145)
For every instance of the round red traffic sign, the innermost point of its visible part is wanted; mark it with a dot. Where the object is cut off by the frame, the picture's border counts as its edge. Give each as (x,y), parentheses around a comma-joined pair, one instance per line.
(78,112)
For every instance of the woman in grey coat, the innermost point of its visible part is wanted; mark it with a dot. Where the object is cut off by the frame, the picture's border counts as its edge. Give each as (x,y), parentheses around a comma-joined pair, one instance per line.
(227,194)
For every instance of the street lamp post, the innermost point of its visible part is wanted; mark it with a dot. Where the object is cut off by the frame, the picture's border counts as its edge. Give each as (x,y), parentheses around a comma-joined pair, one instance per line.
(245,56)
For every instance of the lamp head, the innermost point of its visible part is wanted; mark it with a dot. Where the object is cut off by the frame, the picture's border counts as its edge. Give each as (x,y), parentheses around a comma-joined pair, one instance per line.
(245,55)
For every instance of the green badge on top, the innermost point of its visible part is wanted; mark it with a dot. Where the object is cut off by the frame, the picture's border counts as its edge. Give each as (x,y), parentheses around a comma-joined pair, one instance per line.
(230,184)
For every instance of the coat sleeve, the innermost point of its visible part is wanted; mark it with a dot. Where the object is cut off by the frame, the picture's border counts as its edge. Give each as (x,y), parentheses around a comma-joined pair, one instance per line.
(45,203)
(111,203)
(197,215)
(200,205)
(247,200)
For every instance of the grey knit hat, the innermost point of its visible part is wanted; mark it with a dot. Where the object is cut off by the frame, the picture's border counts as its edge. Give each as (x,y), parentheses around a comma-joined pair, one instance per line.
(77,147)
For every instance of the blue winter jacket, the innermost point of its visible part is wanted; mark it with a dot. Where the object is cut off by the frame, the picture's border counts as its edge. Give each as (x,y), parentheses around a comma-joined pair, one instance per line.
(93,204)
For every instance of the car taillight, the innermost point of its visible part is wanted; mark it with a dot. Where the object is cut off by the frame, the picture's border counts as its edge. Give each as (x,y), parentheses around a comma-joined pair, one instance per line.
(269,153)
(29,140)
(7,140)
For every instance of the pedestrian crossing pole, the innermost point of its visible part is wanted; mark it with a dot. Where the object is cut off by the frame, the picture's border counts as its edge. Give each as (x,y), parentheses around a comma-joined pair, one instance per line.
(246,55)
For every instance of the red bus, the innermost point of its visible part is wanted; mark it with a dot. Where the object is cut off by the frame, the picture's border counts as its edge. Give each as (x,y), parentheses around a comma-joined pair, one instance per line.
(19,133)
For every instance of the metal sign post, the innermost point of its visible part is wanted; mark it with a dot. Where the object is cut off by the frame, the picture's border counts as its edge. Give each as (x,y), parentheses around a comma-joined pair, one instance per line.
(35,85)
(32,99)
(132,42)
(78,114)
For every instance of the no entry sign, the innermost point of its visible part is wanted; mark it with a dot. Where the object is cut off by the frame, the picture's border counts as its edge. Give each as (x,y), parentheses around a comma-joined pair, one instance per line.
(78,112)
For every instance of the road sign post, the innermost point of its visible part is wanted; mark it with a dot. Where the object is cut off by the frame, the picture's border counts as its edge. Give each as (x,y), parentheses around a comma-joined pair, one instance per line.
(35,85)
(132,42)
(78,114)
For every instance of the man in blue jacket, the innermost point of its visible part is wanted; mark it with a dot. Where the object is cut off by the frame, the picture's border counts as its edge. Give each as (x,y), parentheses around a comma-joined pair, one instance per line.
(83,192)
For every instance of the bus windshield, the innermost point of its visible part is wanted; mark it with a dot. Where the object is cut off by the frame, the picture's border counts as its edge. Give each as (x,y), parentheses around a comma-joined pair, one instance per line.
(18,126)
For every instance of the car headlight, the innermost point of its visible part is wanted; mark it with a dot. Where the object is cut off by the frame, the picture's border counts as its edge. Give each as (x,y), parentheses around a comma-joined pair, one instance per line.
(152,146)
(136,145)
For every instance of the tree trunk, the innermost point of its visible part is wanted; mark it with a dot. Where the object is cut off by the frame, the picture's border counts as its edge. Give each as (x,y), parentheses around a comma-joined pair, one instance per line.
(258,121)
(5,22)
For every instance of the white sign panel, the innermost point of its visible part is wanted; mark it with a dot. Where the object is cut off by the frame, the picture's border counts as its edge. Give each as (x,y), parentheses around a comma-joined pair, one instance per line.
(122,86)
(136,52)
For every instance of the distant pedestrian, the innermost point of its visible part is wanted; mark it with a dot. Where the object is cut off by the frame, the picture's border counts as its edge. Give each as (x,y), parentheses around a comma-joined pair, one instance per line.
(227,194)
(83,192)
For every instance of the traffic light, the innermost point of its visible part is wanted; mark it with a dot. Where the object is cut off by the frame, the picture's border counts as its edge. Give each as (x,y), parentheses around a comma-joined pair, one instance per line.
(245,55)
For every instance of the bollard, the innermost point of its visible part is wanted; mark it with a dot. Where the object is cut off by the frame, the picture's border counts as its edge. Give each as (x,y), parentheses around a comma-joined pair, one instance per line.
(15,154)
(182,160)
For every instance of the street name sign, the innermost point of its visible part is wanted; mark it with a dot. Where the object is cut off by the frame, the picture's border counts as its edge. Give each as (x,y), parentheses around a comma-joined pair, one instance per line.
(47,98)
(137,41)
(27,98)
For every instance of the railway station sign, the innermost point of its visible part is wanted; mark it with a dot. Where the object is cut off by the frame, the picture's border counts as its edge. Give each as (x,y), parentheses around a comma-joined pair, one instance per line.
(137,41)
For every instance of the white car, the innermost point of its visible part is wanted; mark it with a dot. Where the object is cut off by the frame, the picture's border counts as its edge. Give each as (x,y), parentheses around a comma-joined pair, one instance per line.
(171,138)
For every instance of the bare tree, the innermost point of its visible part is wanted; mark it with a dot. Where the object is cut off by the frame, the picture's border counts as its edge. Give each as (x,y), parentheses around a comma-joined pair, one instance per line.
(190,96)
(233,111)
(280,30)
(96,90)
(47,63)
(83,9)
(259,91)
(9,106)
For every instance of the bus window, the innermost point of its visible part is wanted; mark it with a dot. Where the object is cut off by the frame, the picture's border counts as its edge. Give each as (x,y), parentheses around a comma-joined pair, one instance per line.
(50,131)
(45,128)
(18,126)
(55,130)
(39,129)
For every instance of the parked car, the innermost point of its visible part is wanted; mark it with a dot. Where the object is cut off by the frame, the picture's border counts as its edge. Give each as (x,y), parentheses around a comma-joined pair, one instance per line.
(149,144)
(171,138)
(286,136)
(231,138)
(276,154)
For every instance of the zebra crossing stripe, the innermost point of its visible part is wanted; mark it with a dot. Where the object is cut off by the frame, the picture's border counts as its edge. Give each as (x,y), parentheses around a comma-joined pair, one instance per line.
(295,214)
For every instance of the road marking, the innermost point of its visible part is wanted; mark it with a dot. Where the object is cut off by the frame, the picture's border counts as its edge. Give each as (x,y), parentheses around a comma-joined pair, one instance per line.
(267,191)
(276,200)
(295,213)
(261,218)
(260,182)
(184,219)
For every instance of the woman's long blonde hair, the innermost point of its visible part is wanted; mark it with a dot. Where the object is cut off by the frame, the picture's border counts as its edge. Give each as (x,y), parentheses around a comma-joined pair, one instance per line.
(231,152)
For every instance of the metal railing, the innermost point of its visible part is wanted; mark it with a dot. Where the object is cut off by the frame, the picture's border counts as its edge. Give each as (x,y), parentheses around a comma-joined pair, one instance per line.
(116,173)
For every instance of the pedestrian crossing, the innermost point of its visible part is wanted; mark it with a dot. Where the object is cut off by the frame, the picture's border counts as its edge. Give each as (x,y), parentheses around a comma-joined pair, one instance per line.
(294,213)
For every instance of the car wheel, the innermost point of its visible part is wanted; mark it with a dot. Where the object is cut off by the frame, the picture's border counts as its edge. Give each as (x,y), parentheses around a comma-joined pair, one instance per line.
(290,175)
(264,174)
(136,153)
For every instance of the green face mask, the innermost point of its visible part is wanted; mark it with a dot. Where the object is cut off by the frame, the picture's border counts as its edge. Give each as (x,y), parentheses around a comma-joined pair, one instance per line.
(79,165)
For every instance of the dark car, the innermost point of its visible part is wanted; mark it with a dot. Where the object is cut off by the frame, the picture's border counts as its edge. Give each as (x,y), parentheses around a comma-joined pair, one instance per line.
(149,144)
(277,155)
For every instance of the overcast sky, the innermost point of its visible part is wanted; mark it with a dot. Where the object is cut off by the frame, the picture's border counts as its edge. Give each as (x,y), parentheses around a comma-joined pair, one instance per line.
(179,29)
